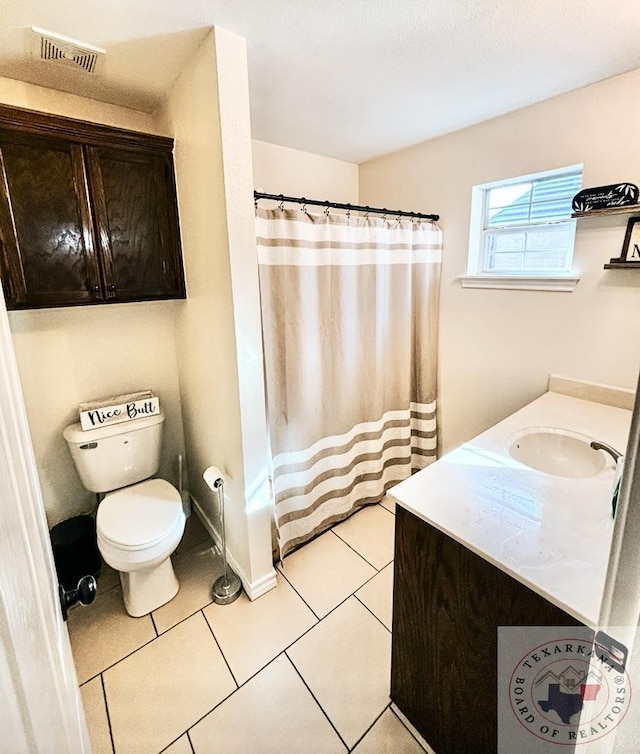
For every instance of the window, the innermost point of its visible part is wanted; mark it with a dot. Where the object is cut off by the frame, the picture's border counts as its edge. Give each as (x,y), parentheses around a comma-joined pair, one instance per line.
(522,233)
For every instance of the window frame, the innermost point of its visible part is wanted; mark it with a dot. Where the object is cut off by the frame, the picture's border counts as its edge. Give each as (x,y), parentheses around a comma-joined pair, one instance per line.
(546,280)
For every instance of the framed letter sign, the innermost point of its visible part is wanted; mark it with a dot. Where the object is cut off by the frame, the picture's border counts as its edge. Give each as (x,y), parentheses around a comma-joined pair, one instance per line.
(630,256)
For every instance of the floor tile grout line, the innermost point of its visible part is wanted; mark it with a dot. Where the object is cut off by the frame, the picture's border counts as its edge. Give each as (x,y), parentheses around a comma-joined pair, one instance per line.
(189,739)
(283,651)
(353,547)
(318,618)
(333,609)
(106,707)
(360,555)
(226,662)
(137,649)
(113,664)
(372,577)
(384,508)
(175,741)
(182,620)
(411,733)
(322,709)
(218,704)
(227,697)
(155,628)
(368,730)
(157,636)
(366,607)
(104,591)
(351,594)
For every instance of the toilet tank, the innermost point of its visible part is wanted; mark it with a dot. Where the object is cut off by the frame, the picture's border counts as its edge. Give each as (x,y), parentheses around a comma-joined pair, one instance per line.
(117,455)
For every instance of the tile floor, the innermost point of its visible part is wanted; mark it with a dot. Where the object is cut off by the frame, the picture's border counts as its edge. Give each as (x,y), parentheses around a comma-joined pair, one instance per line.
(305,668)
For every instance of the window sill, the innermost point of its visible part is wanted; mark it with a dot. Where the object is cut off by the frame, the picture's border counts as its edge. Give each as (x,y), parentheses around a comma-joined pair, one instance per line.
(565,283)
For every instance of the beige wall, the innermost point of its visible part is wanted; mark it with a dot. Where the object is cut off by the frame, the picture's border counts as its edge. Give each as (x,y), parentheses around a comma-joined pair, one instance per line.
(69,355)
(21,94)
(498,347)
(282,170)
(218,328)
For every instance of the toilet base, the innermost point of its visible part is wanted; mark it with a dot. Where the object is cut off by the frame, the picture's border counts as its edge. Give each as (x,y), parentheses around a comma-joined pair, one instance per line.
(149,588)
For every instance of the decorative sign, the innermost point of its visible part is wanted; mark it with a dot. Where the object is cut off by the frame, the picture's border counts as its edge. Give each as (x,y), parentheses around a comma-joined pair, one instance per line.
(601,197)
(114,413)
(631,246)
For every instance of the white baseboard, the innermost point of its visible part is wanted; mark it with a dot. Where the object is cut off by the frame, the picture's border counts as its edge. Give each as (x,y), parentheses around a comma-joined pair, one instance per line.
(253,589)
(262,586)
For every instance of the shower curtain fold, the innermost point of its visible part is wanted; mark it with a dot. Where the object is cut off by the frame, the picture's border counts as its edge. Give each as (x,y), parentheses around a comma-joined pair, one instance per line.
(350,316)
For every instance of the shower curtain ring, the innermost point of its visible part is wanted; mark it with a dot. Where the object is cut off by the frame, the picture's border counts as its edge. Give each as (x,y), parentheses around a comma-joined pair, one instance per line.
(281,205)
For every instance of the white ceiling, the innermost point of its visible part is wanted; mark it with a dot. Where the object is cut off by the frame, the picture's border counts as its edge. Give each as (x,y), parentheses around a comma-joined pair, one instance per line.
(350,79)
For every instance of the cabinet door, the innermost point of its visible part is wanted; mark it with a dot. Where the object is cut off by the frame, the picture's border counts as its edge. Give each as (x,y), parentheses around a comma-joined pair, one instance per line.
(133,195)
(47,248)
(448,603)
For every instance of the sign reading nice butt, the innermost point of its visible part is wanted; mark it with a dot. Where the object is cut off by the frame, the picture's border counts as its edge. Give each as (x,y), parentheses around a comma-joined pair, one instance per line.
(114,413)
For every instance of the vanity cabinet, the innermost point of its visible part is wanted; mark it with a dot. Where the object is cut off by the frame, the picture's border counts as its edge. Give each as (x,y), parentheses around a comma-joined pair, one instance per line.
(447,605)
(88,214)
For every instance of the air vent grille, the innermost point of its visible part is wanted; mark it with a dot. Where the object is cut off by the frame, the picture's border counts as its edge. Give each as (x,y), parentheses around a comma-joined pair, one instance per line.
(68,51)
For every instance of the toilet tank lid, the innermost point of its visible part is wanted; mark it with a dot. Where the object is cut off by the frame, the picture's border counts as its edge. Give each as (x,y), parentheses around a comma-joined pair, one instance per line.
(74,433)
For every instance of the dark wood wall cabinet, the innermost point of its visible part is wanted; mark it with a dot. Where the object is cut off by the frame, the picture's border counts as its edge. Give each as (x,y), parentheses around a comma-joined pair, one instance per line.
(88,213)
(447,606)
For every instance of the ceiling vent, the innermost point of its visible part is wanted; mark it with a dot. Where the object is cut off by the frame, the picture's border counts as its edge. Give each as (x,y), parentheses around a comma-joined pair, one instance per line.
(65,51)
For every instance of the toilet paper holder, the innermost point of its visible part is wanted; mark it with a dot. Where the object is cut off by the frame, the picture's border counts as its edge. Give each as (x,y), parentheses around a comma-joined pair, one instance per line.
(226,588)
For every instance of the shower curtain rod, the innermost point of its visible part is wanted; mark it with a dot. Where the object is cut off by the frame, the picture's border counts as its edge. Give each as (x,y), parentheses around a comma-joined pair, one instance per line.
(337,205)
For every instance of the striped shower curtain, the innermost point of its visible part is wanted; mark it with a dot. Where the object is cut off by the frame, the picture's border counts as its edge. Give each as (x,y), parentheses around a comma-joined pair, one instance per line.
(350,316)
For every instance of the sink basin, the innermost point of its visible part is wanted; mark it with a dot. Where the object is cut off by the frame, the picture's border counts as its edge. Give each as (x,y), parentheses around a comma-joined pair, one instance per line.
(557,451)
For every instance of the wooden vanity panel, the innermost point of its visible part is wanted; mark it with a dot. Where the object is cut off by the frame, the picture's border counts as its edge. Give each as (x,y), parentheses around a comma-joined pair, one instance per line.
(447,605)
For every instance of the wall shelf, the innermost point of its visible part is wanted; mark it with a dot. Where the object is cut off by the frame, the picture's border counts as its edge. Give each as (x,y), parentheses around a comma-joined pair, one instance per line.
(627,209)
(630,244)
(622,266)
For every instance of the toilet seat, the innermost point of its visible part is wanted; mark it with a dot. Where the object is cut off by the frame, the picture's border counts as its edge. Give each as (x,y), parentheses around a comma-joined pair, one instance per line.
(141,516)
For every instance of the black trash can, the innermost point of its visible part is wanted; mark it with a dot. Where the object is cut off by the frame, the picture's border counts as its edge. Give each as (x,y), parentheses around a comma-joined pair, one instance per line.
(75,550)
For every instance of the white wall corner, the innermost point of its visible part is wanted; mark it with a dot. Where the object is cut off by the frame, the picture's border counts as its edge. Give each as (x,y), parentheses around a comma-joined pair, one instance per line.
(235,130)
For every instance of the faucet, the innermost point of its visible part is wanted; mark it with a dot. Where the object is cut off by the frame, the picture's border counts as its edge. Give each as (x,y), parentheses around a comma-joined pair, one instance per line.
(616,455)
(618,460)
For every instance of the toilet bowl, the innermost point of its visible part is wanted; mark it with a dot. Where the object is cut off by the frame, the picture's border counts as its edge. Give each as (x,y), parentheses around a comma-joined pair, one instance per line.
(140,519)
(138,528)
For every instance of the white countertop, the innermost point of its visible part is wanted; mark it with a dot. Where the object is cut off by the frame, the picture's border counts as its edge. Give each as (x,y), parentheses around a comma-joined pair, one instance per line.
(551,533)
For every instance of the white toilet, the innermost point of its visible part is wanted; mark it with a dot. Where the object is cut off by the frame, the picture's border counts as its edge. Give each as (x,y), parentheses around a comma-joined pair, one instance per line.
(139,523)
